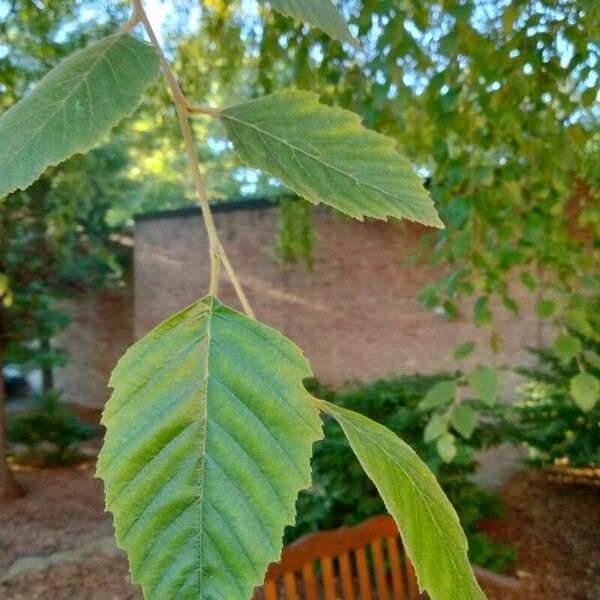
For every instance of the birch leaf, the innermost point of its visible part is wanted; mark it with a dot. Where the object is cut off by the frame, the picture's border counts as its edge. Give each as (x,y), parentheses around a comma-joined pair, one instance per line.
(428,523)
(320,13)
(73,107)
(208,442)
(325,155)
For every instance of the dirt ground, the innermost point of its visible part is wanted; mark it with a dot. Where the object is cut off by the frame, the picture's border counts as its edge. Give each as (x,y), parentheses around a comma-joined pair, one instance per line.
(556,528)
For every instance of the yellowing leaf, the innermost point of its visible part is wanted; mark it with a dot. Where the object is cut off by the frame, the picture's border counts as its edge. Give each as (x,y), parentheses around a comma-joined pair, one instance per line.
(73,106)
(325,155)
(428,524)
(209,437)
(320,13)
(446,447)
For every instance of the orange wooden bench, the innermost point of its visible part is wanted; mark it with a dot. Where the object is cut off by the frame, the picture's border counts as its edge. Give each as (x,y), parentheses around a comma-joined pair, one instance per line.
(336,564)
(366,562)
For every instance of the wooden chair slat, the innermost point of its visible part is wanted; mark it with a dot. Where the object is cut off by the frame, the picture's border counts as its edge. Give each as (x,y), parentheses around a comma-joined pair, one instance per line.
(289,584)
(398,587)
(328,578)
(346,576)
(411,577)
(383,592)
(270,588)
(364,580)
(310,582)
(332,543)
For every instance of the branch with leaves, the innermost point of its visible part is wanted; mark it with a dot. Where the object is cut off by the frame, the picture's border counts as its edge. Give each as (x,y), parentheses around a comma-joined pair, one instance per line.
(209,427)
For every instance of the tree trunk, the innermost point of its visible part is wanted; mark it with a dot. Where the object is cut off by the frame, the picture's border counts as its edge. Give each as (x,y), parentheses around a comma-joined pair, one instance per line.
(47,373)
(9,486)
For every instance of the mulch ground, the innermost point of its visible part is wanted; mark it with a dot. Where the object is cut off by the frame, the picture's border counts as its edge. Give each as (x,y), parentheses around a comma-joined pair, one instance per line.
(555,527)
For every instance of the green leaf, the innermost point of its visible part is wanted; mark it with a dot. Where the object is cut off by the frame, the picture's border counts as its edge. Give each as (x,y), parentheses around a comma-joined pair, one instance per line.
(592,357)
(483,381)
(209,438)
(437,426)
(463,419)
(441,393)
(72,107)
(325,155)
(463,350)
(577,320)
(320,13)
(566,346)
(528,280)
(545,308)
(446,447)
(429,526)
(585,389)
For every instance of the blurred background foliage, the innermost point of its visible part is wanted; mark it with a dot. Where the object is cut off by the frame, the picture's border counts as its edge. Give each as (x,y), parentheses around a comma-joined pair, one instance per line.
(495,101)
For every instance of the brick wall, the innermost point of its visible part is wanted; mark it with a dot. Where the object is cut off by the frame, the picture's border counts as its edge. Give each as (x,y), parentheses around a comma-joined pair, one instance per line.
(100,331)
(355,315)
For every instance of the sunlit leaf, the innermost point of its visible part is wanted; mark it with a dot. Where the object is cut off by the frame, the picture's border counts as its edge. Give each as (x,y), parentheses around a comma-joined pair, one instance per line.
(446,447)
(320,13)
(209,438)
(325,155)
(428,524)
(72,107)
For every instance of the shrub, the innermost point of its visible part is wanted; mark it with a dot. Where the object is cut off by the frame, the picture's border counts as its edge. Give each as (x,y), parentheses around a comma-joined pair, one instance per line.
(341,494)
(549,421)
(51,433)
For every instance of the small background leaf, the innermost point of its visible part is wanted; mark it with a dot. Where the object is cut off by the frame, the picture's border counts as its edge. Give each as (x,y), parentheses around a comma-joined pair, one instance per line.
(463,350)
(463,419)
(585,389)
(446,447)
(320,13)
(437,426)
(325,155)
(483,381)
(428,524)
(72,107)
(566,347)
(441,393)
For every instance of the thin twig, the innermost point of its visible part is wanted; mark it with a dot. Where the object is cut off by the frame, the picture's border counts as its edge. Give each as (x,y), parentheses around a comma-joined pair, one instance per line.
(184,107)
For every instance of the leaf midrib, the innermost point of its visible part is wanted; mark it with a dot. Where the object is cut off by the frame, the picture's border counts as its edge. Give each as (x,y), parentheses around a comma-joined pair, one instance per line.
(203,428)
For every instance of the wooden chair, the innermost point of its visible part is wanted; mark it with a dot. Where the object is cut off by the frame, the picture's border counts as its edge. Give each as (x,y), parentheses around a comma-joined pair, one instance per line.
(366,562)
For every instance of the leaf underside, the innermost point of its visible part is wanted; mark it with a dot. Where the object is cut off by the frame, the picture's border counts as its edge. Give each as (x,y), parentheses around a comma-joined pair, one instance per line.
(325,155)
(428,523)
(73,106)
(209,438)
(320,13)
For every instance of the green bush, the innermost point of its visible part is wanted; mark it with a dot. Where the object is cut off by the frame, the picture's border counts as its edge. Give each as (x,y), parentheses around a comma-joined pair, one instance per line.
(341,493)
(548,419)
(51,433)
